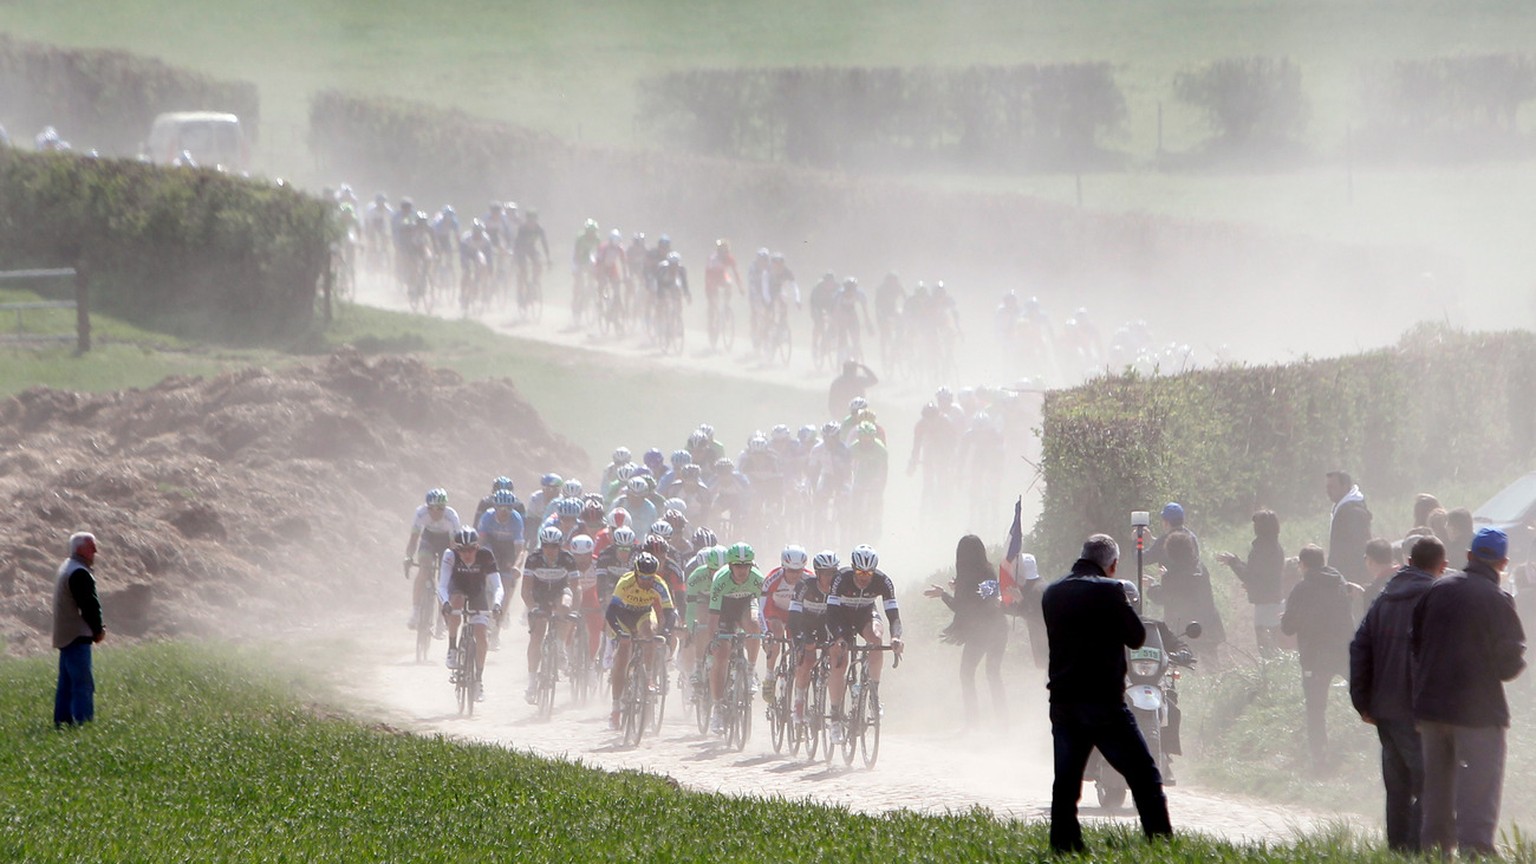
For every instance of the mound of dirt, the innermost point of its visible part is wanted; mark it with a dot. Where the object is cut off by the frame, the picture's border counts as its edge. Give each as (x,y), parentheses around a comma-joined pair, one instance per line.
(249,501)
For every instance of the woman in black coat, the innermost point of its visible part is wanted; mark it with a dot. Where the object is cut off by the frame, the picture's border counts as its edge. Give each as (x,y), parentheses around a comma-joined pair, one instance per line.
(979,625)
(1262,578)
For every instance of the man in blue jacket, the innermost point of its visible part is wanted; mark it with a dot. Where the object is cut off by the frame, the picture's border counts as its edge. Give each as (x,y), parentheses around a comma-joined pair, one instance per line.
(1089,624)
(1466,642)
(1381,687)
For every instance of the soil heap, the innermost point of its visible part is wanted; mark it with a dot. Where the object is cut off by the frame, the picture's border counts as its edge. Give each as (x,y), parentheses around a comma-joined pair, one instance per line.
(251,501)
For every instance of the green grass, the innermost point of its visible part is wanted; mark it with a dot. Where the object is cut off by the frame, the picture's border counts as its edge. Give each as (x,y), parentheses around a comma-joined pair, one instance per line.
(204,753)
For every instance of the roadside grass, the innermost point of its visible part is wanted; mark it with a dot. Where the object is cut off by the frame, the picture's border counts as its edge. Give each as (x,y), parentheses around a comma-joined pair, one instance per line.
(204,752)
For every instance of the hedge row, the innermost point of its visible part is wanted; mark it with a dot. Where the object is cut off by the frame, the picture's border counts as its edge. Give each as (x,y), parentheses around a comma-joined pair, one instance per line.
(178,249)
(858,225)
(106,100)
(1227,441)
(1012,117)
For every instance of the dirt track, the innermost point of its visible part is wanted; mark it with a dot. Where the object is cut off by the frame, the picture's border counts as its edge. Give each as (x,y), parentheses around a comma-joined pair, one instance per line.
(936,771)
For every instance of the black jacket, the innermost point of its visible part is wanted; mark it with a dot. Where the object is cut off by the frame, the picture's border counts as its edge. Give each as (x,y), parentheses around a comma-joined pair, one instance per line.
(1318,614)
(1261,574)
(976,617)
(1347,536)
(1089,624)
(1380,683)
(1466,641)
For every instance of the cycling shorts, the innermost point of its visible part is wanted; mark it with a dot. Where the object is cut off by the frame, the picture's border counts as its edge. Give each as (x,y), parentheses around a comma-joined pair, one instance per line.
(732,610)
(548,595)
(628,619)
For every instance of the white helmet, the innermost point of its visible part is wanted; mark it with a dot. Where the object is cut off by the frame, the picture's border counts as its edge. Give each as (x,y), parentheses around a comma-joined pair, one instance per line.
(864,557)
(550,535)
(581,544)
(793,558)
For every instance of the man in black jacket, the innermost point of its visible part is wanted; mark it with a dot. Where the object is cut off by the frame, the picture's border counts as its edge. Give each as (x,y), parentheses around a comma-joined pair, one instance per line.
(1089,624)
(1349,529)
(1318,614)
(1466,642)
(1381,687)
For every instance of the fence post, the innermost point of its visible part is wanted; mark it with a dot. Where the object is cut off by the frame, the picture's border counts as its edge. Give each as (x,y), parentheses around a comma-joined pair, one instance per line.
(82,311)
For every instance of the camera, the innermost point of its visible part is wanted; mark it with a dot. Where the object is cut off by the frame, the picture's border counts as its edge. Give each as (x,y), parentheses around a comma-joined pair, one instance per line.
(1140,518)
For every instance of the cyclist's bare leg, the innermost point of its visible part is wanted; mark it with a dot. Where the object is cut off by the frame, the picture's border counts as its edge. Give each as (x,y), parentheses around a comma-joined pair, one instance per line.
(620,668)
(874,635)
(456,602)
(536,625)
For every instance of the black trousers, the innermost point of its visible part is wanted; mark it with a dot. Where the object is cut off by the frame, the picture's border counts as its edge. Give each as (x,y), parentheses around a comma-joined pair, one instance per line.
(1314,691)
(1402,773)
(987,645)
(1076,731)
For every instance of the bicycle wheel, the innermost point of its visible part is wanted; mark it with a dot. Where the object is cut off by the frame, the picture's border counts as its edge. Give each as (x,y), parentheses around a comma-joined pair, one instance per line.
(580,672)
(426,607)
(742,703)
(783,348)
(663,686)
(549,673)
(781,713)
(469,669)
(699,693)
(869,736)
(728,329)
(855,728)
(632,703)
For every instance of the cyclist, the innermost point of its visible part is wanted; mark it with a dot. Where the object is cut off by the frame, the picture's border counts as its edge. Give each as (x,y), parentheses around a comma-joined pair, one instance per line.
(541,502)
(701,580)
(637,598)
(889,297)
(691,489)
(637,502)
(672,287)
(525,250)
(593,520)
(933,446)
(376,221)
(547,594)
(584,264)
(721,276)
(850,313)
(636,258)
(808,622)
(733,605)
(501,530)
(585,590)
(477,257)
(732,491)
(612,268)
(678,460)
(469,583)
(778,593)
(871,467)
(445,230)
(854,602)
(830,464)
(432,530)
(822,295)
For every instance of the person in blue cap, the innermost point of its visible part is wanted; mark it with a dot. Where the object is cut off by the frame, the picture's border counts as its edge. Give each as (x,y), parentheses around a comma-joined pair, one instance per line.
(1466,642)
(1173,522)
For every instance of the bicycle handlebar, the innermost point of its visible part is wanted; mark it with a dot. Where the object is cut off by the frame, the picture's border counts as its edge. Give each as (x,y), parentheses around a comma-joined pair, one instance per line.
(865,649)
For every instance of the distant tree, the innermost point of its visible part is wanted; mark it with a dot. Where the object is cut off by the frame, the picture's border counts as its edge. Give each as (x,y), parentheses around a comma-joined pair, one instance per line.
(1249,102)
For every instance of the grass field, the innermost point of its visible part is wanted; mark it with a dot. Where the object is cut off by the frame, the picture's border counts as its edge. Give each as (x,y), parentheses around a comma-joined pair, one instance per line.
(206,753)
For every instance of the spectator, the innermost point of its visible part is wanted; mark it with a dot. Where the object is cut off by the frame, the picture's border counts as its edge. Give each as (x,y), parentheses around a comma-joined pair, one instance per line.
(1185,593)
(77,626)
(1458,529)
(1350,528)
(1261,575)
(1027,606)
(1317,613)
(1466,641)
(855,380)
(979,625)
(1381,687)
(1090,623)
(1378,568)
(1423,505)
(1173,523)
(1437,519)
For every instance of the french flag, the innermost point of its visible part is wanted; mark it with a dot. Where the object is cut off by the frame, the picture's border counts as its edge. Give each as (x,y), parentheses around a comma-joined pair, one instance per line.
(1007,572)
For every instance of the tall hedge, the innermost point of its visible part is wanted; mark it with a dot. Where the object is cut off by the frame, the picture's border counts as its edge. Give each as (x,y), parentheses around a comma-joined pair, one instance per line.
(106,100)
(174,248)
(1021,116)
(1227,441)
(1454,108)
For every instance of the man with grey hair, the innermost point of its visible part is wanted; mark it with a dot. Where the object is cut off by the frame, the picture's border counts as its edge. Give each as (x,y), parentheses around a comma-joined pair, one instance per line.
(76,627)
(1089,623)
(1465,643)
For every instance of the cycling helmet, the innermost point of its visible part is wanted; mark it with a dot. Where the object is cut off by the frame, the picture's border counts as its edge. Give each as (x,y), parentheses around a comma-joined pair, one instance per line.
(708,430)
(494,206)
(697,439)
(656,545)
(551,535)
(864,557)
(714,557)
(826,560)
(725,464)
(661,528)
(447,210)
(501,483)
(626,471)
(592,511)
(677,504)
(637,485)
(663,240)
(503,498)
(674,258)
(780,432)
(592,498)
(581,544)
(437,497)
(740,553)
(867,429)
(793,557)
(806,433)
(757,443)
(653,457)
(830,429)
(621,456)
(568,508)
(763,252)
(571,488)
(590,226)
(616,236)
(406,204)
(624,537)
(676,519)
(944,396)
(681,458)
(638,237)
(551,480)
(618,517)
(778,257)
(650,483)
(704,538)
(692,472)
(857,404)
(466,537)
(829,276)
(930,410)
(647,564)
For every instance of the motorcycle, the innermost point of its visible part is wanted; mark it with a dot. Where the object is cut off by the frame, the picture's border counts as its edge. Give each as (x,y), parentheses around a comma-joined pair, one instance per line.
(1152,674)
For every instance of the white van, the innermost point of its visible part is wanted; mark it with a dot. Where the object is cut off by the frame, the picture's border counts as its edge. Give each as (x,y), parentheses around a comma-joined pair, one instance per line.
(211,137)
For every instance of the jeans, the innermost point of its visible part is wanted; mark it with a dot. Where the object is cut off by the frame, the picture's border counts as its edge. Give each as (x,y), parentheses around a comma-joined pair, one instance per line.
(74,702)
(1076,731)
(1463,782)
(1402,773)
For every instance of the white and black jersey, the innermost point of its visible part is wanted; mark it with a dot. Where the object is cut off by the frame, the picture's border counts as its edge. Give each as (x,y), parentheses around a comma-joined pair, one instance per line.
(477,579)
(550,579)
(850,607)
